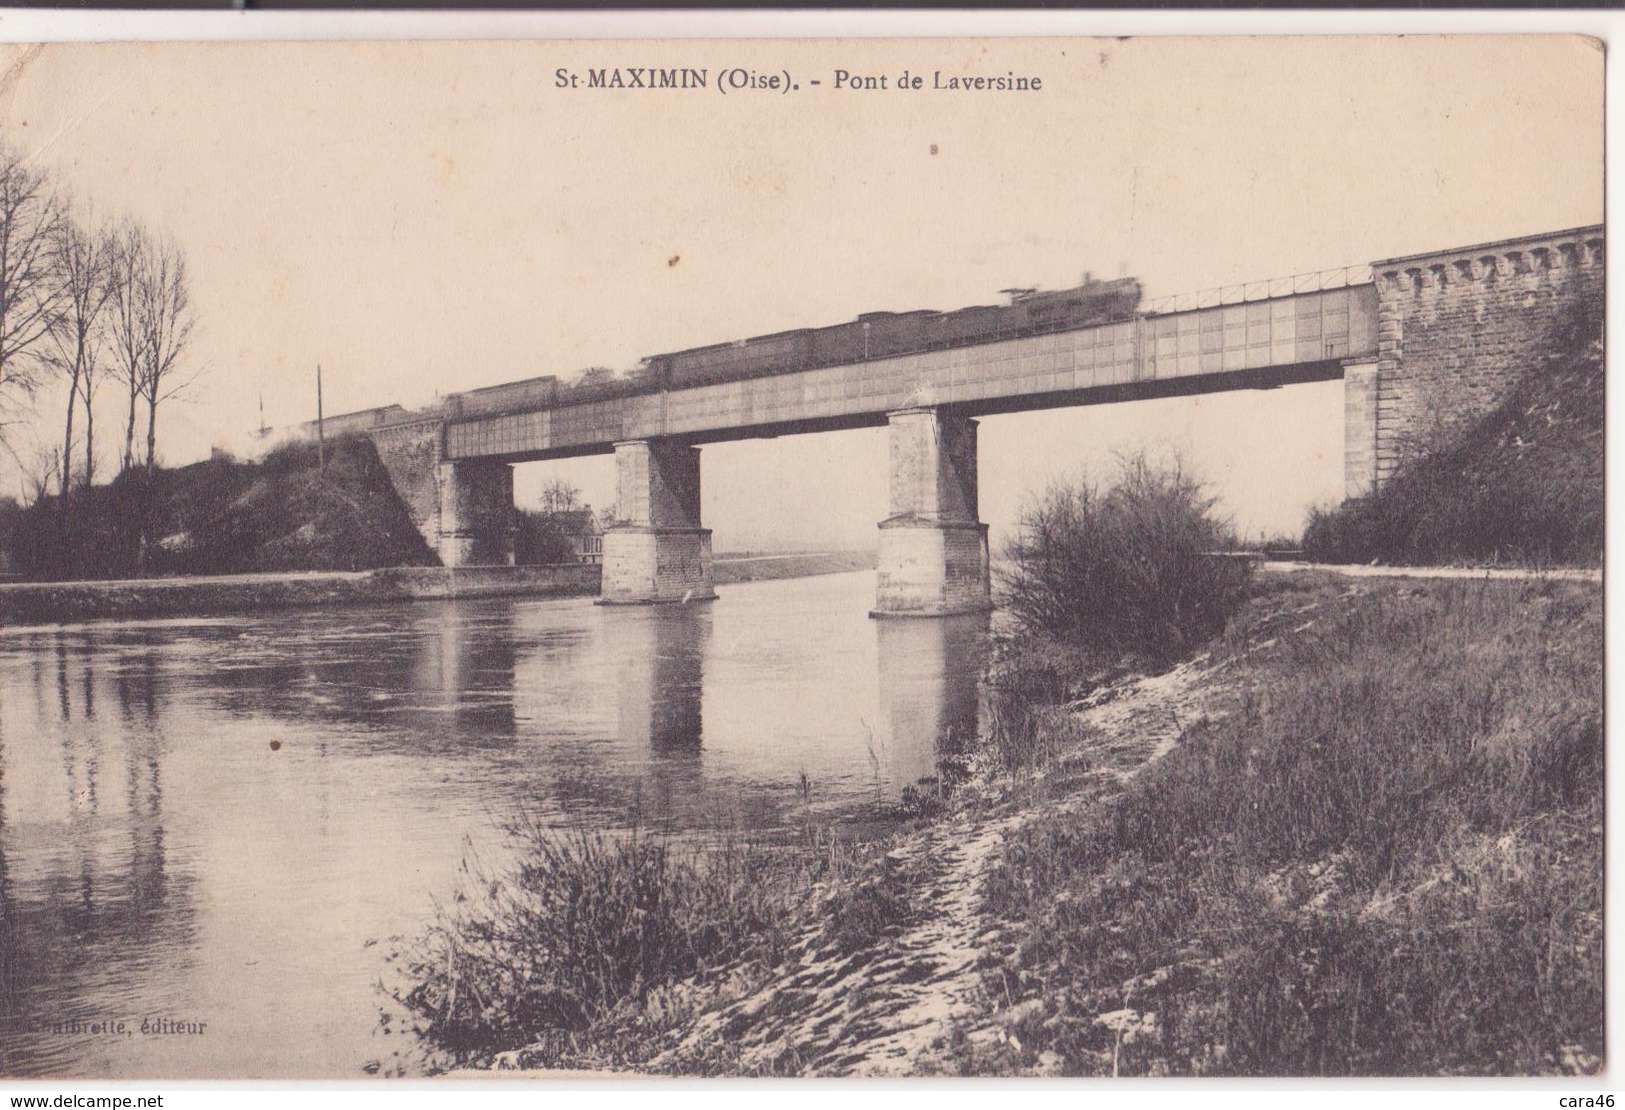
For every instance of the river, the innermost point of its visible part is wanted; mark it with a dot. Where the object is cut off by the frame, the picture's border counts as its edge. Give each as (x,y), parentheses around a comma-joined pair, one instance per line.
(213,825)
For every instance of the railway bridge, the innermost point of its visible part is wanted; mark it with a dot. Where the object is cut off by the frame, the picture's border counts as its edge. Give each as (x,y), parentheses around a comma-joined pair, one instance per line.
(1422,343)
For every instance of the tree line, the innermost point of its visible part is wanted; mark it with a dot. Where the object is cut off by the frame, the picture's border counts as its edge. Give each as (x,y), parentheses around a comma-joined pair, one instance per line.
(84,304)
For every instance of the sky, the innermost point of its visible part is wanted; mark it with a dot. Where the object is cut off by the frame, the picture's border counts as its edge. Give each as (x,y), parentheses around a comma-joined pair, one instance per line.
(425,217)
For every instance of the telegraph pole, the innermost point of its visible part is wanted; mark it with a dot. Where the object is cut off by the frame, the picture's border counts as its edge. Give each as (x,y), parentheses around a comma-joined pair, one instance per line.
(321,434)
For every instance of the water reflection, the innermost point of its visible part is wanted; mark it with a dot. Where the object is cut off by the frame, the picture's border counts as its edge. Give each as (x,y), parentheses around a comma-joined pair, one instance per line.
(213,819)
(464,672)
(929,671)
(660,669)
(659,710)
(441,676)
(86,892)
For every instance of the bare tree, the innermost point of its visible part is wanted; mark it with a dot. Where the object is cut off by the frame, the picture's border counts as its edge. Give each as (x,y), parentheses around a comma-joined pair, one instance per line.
(76,336)
(95,373)
(124,322)
(125,318)
(559,496)
(39,473)
(30,214)
(166,321)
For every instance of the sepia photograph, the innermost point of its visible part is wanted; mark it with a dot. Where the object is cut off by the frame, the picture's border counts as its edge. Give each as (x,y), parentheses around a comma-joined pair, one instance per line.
(1070,557)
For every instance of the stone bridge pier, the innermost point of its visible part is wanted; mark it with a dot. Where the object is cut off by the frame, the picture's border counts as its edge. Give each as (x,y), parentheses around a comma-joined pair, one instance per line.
(656,551)
(476,522)
(932,559)
(1359,426)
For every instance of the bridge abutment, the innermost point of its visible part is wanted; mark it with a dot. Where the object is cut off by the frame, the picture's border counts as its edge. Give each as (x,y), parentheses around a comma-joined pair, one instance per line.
(476,513)
(932,559)
(656,551)
(1457,329)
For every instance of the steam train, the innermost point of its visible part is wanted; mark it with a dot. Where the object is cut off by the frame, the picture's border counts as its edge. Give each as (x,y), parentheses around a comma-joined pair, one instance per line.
(872,335)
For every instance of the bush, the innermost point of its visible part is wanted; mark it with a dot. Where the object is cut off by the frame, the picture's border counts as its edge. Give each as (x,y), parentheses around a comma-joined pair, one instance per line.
(11,514)
(540,540)
(1129,572)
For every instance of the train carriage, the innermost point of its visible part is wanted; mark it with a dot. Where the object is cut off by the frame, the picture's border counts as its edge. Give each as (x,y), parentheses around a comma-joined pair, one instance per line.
(976,324)
(872,335)
(747,358)
(520,396)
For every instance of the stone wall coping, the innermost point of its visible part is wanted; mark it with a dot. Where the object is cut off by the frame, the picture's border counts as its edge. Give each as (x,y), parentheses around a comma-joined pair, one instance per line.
(1591,231)
(928,523)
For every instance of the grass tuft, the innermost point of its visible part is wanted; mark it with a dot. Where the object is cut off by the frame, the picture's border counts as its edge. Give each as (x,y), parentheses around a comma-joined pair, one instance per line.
(1387,861)
(589,930)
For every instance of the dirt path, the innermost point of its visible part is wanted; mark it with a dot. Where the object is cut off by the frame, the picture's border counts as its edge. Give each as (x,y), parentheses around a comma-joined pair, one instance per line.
(875,1010)
(890,1008)
(1357,570)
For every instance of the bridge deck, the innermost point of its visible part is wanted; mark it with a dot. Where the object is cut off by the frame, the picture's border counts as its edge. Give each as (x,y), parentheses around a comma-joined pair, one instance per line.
(1301,337)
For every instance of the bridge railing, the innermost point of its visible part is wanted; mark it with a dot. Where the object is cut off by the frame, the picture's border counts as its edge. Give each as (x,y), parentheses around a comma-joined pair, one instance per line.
(1317,282)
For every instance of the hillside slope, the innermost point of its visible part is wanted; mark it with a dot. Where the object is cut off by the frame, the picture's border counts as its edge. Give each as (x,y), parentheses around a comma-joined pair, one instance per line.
(228,517)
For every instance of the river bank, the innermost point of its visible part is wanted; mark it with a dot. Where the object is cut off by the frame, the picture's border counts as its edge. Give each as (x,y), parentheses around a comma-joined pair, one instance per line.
(1364,798)
(38,603)
(728,569)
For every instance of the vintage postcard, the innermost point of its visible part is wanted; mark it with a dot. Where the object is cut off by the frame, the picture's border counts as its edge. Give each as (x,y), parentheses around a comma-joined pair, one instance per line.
(811,557)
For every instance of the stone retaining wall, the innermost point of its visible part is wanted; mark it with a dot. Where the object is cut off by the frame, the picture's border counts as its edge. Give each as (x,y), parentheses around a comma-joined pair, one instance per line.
(1457,328)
